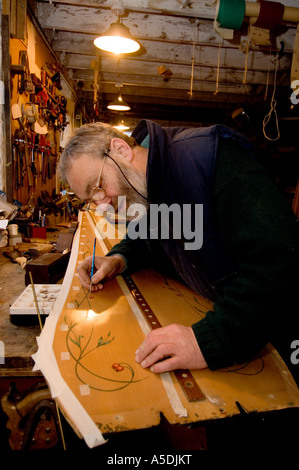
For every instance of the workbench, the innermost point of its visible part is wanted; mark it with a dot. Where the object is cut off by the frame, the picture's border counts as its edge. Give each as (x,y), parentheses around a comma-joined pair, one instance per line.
(19,342)
(242,428)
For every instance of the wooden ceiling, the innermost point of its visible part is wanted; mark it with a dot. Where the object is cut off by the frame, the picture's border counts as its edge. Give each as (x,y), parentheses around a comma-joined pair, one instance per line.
(207,77)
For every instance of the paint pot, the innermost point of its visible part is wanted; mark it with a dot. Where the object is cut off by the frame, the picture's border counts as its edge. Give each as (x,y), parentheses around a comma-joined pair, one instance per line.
(13,230)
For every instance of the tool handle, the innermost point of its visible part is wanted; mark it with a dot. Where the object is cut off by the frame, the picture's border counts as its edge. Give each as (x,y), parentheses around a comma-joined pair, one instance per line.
(93,257)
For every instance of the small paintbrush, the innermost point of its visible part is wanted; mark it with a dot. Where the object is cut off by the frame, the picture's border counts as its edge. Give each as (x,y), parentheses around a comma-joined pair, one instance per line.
(92,264)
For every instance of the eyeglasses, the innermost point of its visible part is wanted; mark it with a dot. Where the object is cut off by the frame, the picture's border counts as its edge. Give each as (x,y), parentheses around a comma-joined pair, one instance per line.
(96,192)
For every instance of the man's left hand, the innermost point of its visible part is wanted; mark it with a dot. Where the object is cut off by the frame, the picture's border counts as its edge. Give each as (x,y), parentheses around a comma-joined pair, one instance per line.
(169,348)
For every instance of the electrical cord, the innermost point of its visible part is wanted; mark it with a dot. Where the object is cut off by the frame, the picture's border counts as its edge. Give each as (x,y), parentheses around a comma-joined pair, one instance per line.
(109,156)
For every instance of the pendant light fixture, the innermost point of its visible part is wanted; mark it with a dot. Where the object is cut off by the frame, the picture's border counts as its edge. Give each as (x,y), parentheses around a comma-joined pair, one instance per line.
(119,104)
(121,126)
(118,38)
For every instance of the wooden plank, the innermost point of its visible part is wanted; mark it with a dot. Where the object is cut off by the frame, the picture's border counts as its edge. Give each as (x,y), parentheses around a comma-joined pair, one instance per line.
(81,19)
(146,74)
(13,17)
(82,43)
(21,16)
(201,9)
(198,10)
(150,26)
(159,84)
(143,67)
(7,110)
(6,7)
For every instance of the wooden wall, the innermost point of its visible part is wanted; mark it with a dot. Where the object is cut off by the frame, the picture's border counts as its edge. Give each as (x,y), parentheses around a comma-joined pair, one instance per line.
(33,162)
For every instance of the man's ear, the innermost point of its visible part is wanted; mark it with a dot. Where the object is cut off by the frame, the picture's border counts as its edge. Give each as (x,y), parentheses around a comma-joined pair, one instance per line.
(121,147)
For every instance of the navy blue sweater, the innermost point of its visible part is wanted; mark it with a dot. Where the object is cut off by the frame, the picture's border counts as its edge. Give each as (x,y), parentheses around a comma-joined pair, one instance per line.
(257,245)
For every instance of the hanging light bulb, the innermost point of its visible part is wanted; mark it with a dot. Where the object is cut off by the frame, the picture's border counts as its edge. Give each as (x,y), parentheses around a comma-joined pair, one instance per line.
(118,38)
(119,104)
(121,126)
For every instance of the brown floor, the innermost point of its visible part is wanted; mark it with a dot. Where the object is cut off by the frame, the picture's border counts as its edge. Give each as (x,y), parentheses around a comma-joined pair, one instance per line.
(18,341)
(12,281)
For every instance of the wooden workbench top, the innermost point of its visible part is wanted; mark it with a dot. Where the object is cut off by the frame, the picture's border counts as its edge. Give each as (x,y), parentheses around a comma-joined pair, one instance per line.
(19,342)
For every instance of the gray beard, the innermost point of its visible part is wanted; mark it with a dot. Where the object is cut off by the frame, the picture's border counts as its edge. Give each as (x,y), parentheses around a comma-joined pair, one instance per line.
(132,197)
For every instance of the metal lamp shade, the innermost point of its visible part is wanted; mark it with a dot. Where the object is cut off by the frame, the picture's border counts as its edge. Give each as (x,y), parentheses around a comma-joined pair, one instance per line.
(118,40)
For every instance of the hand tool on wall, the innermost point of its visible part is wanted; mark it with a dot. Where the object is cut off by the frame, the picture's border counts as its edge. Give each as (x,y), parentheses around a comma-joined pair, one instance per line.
(43,76)
(20,145)
(15,165)
(25,80)
(57,141)
(27,138)
(38,155)
(51,139)
(32,148)
(30,112)
(48,158)
(43,98)
(42,146)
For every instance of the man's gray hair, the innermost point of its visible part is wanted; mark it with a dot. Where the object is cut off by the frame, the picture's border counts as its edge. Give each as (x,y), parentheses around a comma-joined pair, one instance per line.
(92,140)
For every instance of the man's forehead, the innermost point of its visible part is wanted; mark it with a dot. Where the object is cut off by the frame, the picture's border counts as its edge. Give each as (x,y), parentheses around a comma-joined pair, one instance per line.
(82,174)
(83,163)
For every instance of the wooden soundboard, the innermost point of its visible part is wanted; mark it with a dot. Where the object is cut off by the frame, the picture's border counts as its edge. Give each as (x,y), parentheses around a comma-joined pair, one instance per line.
(87,353)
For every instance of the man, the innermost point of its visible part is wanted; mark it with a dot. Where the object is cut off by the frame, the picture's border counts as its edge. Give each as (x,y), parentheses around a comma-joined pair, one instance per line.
(247,262)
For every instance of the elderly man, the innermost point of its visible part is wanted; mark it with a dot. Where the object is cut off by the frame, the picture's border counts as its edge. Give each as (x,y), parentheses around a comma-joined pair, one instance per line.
(247,262)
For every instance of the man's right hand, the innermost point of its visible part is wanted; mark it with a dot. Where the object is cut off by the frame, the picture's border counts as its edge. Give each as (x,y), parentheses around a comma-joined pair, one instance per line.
(106,267)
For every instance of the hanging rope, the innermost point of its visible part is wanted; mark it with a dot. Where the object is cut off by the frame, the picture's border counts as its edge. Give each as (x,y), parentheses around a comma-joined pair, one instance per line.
(246,66)
(268,75)
(95,111)
(272,108)
(218,67)
(193,60)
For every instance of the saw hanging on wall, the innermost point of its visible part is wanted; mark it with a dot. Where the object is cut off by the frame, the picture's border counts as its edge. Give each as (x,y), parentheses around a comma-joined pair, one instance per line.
(25,81)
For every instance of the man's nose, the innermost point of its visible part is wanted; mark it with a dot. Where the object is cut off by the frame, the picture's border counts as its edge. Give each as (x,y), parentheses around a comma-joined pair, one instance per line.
(99,196)
(104,201)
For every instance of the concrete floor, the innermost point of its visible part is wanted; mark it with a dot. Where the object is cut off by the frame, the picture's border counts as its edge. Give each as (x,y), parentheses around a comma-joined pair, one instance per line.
(18,341)
(12,281)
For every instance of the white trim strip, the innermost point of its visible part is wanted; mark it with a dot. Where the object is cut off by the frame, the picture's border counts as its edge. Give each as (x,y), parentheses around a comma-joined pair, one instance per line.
(45,361)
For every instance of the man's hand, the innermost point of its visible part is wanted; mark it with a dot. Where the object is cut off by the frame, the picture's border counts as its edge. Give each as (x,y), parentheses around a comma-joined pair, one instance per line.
(106,268)
(169,348)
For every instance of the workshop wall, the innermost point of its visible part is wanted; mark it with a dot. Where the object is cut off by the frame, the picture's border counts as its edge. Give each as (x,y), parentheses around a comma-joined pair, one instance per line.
(40,114)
